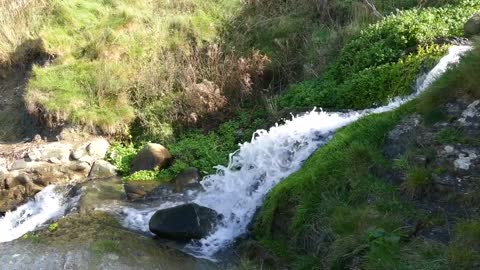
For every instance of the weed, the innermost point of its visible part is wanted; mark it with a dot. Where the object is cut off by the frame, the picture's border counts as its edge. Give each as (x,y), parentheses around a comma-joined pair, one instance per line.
(418,180)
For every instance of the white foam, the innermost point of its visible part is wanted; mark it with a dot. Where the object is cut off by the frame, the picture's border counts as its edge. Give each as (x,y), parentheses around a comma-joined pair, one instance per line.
(47,205)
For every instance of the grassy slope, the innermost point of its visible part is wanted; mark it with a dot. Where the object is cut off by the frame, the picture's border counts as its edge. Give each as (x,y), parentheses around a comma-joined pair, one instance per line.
(339,206)
(102,49)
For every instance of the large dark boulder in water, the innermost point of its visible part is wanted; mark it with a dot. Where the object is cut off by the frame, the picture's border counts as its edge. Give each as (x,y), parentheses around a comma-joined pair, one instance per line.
(472,26)
(152,156)
(183,222)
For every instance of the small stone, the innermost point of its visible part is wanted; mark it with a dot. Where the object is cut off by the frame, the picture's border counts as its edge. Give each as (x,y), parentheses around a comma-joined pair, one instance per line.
(449,149)
(464,161)
(19,164)
(54,160)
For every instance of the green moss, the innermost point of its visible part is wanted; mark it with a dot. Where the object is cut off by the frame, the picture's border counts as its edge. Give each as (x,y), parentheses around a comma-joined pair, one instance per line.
(101,247)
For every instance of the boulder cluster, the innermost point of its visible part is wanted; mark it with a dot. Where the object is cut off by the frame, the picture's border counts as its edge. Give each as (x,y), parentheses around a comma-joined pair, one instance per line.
(25,173)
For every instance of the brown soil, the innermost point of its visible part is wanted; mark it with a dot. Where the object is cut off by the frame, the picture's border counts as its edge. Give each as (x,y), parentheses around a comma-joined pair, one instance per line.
(15,123)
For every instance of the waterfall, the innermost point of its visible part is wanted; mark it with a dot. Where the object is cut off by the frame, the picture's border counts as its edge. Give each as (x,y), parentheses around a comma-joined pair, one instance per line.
(237,190)
(48,204)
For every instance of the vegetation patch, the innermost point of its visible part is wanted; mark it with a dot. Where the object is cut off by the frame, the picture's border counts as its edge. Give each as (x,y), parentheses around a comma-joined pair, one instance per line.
(378,64)
(342,208)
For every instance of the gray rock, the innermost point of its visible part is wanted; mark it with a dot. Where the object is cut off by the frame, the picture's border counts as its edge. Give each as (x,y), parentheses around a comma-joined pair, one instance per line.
(401,137)
(3,163)
(77,154)
(3,174)
(188,178)
(472,26)
(79,166)
(151,157)
(54,160)
(19,164)
(138,190)
(183,222)
(102,169)
(53,150)
(98,148)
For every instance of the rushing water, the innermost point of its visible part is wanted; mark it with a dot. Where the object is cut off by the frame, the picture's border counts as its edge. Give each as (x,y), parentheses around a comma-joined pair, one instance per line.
(237,190)
(48,204)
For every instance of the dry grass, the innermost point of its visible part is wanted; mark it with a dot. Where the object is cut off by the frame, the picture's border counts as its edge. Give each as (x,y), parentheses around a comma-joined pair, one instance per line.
(19,22)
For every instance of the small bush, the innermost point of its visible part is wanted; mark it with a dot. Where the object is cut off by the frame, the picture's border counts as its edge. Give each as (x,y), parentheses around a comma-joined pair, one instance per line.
(122,155)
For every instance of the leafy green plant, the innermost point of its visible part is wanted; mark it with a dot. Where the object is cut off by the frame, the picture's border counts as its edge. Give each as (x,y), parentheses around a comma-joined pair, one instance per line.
(144,175)
(384,60)
(53,227)
(122,155)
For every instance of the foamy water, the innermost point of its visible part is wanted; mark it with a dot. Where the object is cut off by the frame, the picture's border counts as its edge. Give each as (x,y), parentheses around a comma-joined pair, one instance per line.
(47,205)
(237,190)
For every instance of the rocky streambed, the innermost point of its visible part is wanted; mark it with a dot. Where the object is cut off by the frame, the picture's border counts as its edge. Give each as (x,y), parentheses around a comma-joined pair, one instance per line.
(27,168)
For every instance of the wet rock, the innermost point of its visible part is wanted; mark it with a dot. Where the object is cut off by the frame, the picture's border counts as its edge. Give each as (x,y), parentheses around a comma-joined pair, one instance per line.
(138,190)
(190,177)
(472,26)
(159,192)
(18,164)
(151,157)
(401,137)
(11,198)
(102,169)
(98,148)
(184,222)
(471,114)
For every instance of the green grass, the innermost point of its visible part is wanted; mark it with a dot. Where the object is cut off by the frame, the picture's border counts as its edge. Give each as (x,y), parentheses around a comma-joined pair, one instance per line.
(378,63)
(464,252)
(101,52)
(418,181)
(341,208)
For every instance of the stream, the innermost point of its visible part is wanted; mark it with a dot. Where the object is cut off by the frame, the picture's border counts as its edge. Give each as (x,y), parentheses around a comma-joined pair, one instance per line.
(236,191)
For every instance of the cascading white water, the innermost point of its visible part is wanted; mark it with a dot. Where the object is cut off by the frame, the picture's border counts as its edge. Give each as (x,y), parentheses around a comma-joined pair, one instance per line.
(48,204)
(236,191)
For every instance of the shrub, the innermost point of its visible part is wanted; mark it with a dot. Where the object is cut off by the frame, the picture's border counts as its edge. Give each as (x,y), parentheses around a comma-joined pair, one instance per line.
(122,155)
(418,180)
